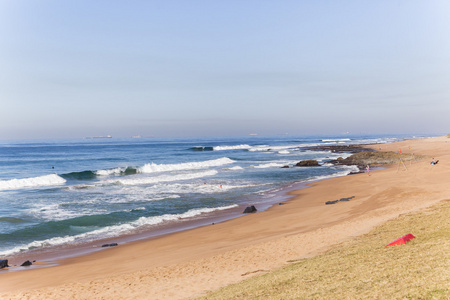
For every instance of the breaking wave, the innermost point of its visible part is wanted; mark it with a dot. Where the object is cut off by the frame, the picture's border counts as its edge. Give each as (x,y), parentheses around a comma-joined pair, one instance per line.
(236,147)
(269,165)
(162,178)
(152,168)
(46,180)
(112,231)
(221,148)
(148,168)
(83,175)
(336,140)
(201,148)
(117,171)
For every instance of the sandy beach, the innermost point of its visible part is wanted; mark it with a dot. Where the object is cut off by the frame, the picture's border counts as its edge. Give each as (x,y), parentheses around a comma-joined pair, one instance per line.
(190,263)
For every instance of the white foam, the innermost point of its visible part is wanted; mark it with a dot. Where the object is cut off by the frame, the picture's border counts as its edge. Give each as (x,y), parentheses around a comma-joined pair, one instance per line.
(235,168)
(283,152)
(141,199)
(162,178)
(269,165)
(152,167)
(276,148)
(81,187)
(327,165)
(46,180)
(336,140)
(206,188)
(116,171)
(54,212)
(113,231)
(162,191)
(260,148)
(331,156)
(236,147)
(347,170)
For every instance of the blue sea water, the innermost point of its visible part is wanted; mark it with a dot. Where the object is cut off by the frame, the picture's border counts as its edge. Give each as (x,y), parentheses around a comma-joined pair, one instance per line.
(70,192)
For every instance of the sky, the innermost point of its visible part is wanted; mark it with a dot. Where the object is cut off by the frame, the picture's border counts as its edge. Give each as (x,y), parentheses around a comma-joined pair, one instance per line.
(74,69)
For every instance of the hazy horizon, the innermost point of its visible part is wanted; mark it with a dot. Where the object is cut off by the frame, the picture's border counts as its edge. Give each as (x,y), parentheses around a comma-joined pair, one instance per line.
(211,68)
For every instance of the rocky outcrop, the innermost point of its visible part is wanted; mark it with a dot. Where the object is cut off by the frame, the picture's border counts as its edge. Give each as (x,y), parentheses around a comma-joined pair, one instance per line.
(374,158)
(250,209)
(3,263)
(26,264)
(338,148)
(308,163)
(110,245)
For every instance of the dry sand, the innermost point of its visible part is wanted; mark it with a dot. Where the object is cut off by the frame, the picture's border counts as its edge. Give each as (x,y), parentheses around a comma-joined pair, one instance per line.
(188,264)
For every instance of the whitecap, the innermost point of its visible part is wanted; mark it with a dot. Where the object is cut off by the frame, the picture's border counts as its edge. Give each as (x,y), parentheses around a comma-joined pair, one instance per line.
(45,180)
(162,178)
(236,147)
(269,165)
(152,167)
(113,231)
(235,168)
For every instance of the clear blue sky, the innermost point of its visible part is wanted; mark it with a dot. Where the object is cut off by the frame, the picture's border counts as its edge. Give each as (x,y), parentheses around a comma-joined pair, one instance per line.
(81,68)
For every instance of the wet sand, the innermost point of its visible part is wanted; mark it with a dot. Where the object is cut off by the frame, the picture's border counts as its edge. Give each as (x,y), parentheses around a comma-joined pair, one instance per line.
(189,263)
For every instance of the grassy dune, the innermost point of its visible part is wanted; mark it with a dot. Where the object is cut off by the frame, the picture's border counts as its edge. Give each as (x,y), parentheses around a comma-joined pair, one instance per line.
(363,268)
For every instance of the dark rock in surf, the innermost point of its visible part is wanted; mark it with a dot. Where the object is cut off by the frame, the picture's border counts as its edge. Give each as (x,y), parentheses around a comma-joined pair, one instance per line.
(110,245)
(26,264)
(250,209)
(285,167)
(3,263)
(308,163)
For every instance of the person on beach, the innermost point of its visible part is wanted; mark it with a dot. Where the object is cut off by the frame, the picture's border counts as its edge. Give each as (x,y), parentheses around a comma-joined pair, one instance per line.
(368,170)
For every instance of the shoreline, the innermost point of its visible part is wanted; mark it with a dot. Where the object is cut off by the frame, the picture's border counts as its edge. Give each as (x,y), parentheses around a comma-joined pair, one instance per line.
(71,249)
(209,257)
(56,255)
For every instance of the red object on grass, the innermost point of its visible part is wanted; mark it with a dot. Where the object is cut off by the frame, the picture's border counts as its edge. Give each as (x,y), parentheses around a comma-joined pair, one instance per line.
(402,240)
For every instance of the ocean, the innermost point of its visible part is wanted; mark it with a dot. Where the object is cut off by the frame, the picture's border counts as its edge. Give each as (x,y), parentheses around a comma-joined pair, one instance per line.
(66,193)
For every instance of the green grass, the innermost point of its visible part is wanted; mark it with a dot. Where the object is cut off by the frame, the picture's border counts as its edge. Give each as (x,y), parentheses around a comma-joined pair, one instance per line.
(364,268)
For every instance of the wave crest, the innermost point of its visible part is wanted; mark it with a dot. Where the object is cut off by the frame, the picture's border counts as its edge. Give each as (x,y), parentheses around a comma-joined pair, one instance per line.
(153,168)
(202,148)
(113,231)
(117,171)
(236,147)
(163,178)
(45,180)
